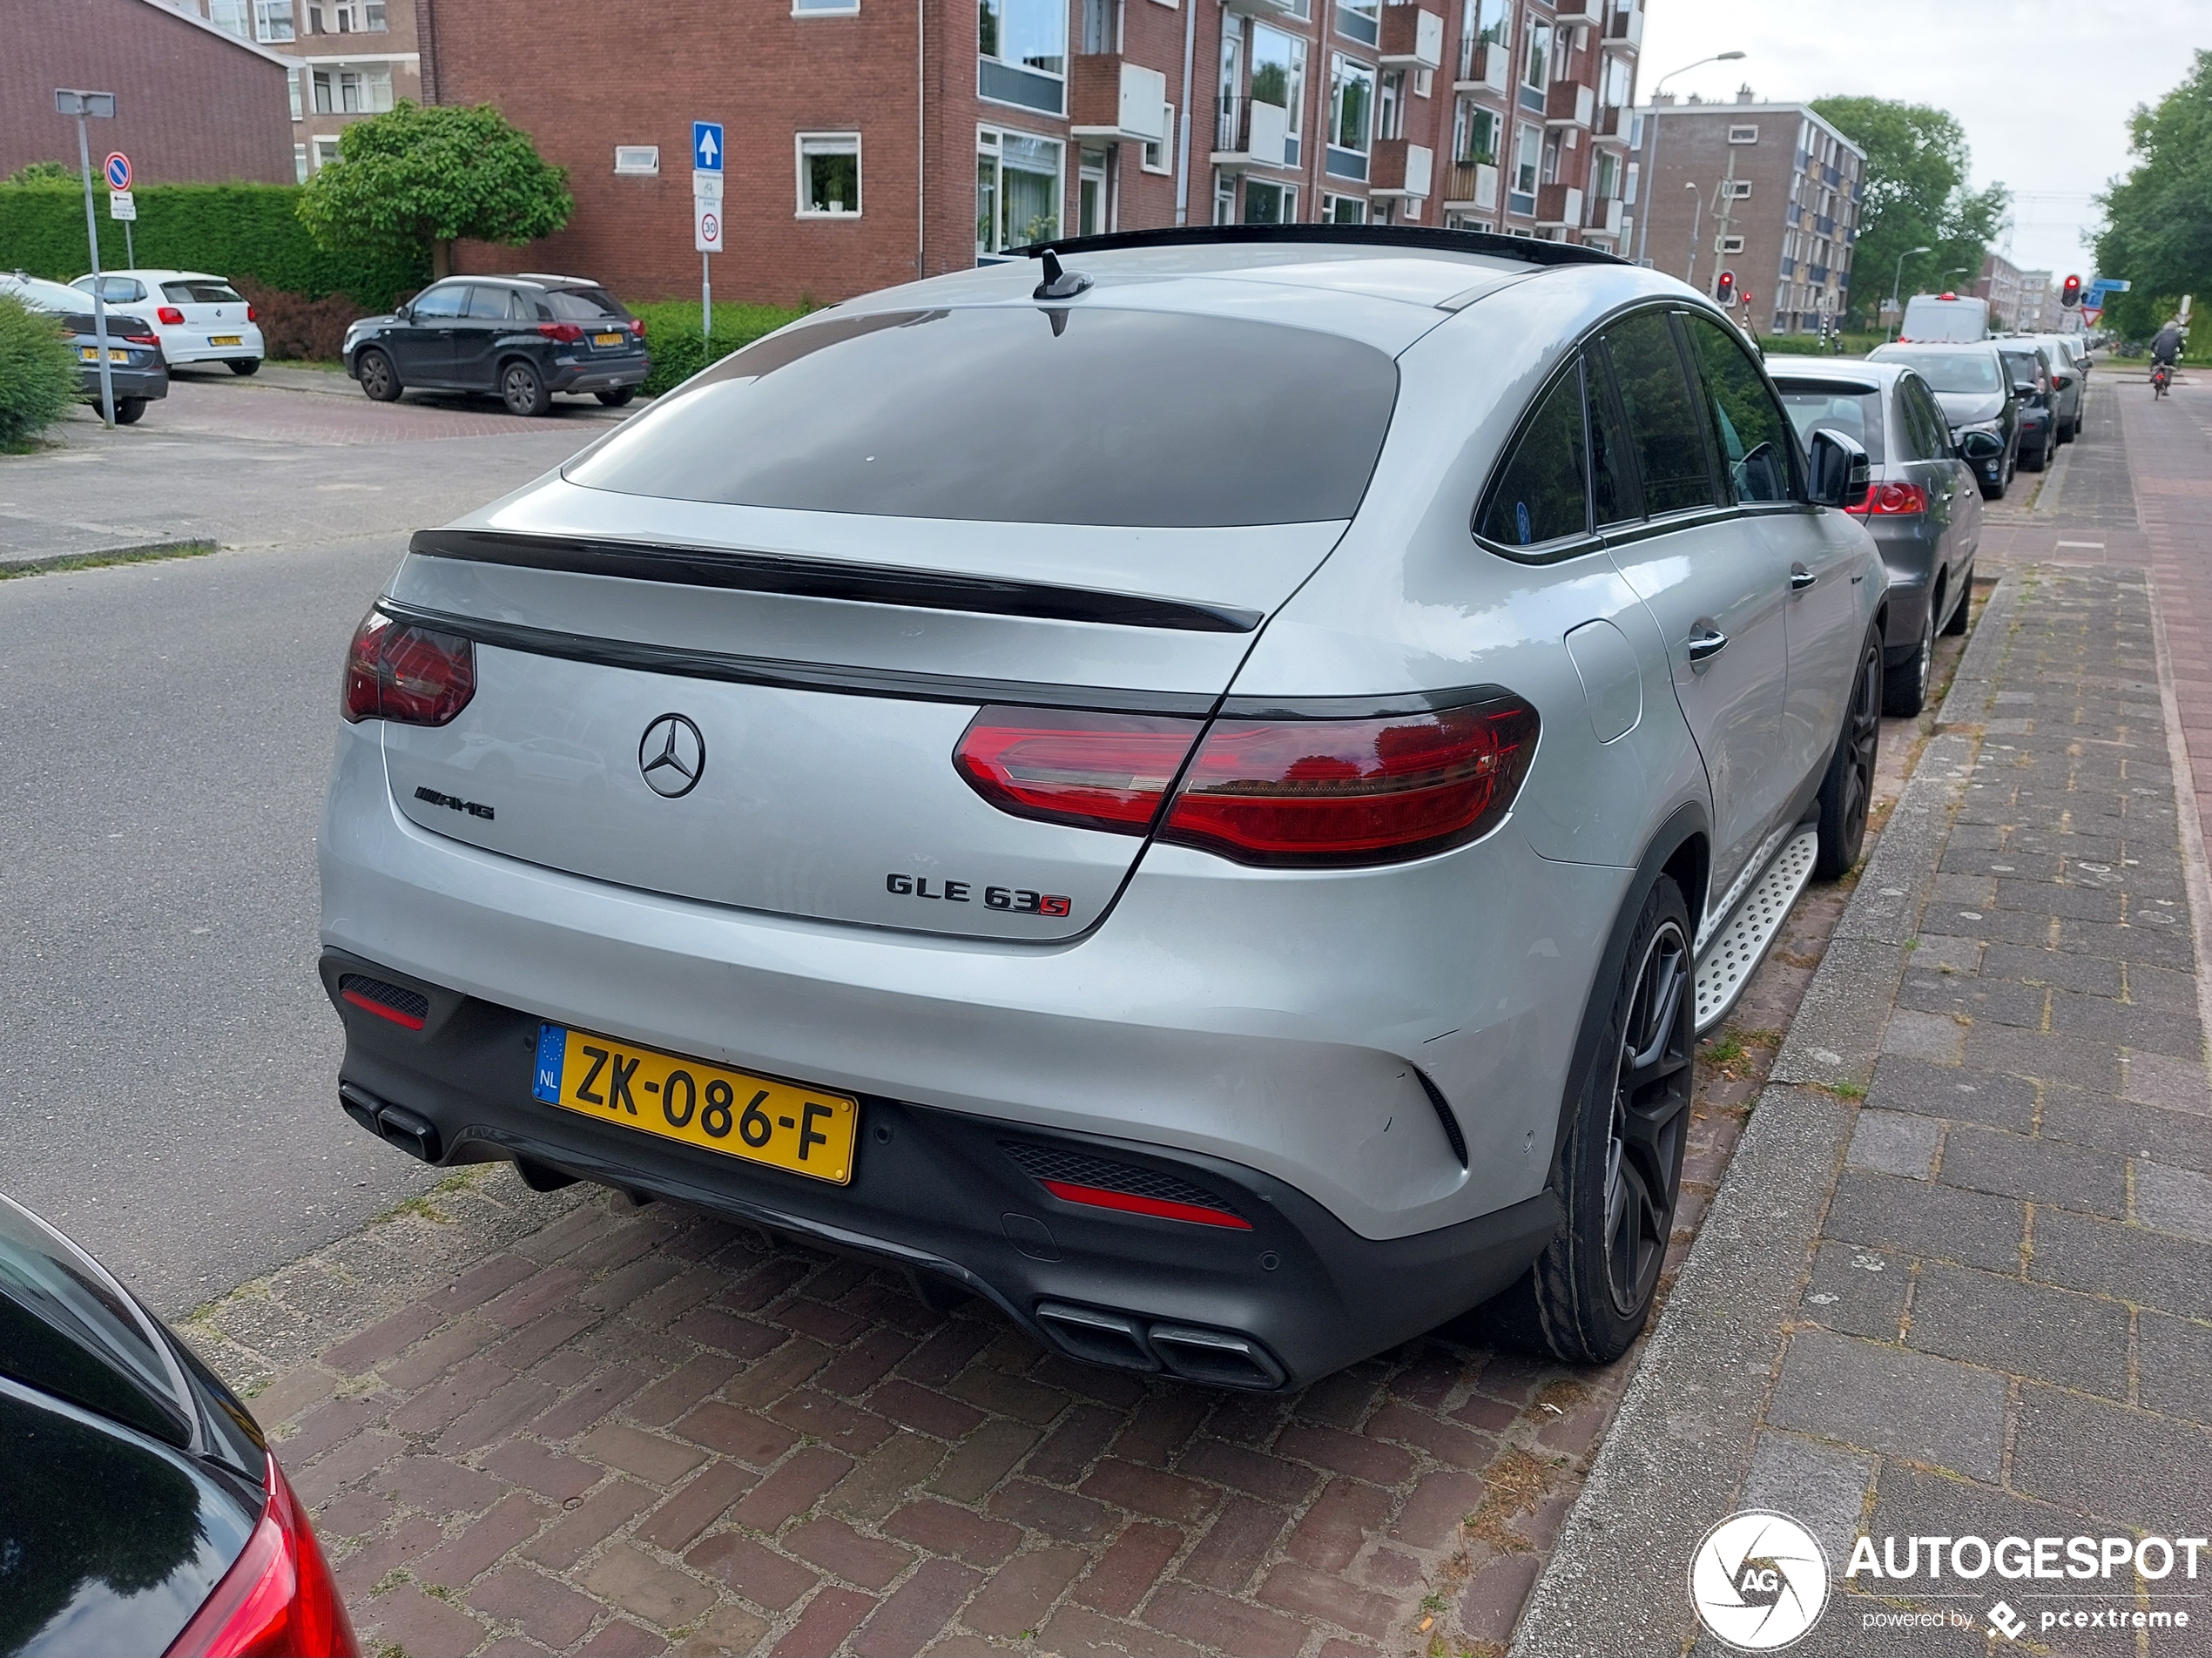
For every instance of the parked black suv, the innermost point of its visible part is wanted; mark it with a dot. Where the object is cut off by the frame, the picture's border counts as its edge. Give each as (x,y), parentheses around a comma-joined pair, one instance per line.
(524,337)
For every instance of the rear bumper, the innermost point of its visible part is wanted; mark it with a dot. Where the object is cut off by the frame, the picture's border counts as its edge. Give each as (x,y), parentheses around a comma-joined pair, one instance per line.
(147,383)
(1294,1297)
(588,377)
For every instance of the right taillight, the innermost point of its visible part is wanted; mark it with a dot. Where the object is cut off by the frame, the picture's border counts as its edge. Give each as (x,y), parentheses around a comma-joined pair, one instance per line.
(171,315)
(412,674)
(567,332)
(277,1600)
(1892,501)
(1281,792)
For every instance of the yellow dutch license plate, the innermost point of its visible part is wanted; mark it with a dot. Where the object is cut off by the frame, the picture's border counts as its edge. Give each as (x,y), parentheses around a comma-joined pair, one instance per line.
(785,1125)
(222,339)
(91,354)
(606,339)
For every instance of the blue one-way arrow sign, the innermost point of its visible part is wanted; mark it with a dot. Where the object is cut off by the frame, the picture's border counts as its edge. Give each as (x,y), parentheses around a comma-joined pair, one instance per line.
(706,145)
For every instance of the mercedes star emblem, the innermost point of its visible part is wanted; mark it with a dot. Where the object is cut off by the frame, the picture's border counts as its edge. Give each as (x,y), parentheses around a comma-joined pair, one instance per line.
(672,755)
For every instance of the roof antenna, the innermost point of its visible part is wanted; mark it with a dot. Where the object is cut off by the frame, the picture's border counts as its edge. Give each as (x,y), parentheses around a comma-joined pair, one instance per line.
(1059,284)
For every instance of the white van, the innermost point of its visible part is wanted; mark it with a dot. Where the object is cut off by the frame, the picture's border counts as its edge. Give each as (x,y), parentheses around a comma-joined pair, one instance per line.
(1944,318)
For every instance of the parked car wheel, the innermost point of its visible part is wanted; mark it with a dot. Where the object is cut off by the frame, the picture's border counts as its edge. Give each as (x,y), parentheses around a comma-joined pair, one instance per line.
(1956,623)
(620,395)
(522,390)
(1620,1171)
(127,410)
(244,366)
(2066,430)
(378,378)
(1905,687)
(1848,789)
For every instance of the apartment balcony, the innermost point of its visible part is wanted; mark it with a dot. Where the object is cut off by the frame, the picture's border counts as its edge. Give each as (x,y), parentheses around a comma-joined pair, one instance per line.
(1111,99)
(1624,27)
(1605,218)
(1471,186)
(1570,104)
(1264,8)
(1250,132)
(1482,68)
(1402,168)
(1412,38)
(1579,12)
(1558,204)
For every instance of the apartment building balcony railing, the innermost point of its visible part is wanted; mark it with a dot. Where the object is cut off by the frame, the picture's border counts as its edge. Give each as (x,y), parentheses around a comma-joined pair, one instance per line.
(1482,69)
(1570,104)
(1400,167)
(1250,132)
(1111,99)
(1558,204)
(1613,121)
(1471,186)
(1412,38)
(1267,8)
(1624,27)
(1604,218)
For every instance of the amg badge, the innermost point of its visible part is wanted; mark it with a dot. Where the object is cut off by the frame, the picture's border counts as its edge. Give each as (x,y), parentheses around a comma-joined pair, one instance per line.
(453,803)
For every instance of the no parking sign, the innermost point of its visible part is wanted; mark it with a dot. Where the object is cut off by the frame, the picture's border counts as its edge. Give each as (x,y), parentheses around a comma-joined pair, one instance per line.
(117,168)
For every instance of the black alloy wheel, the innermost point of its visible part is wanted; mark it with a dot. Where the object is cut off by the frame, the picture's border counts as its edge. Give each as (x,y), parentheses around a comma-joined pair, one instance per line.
(522,391)
(1904,688)
(618,396)
(1848,790)
(1618,1174)
(378,378)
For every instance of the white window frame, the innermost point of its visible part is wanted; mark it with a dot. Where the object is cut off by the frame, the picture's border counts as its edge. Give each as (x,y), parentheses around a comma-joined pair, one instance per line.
(1524,132)
(1731,244)
(325,148)
(990,143)
(1289,199)
(1158,157)
(1738,189)
(799,152)
(1068,41)
(824,7)
(1359,8)
(300,162)
(298,94)
(1329,209)
(1342,67)
(1744,135)
(1536,44)
(265,14)
(636,160)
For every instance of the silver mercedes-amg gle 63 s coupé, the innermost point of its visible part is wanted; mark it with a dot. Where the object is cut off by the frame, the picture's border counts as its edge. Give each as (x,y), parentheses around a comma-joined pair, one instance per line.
(1198,787)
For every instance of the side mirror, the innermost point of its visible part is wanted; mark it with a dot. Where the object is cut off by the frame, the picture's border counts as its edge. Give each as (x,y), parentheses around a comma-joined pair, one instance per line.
(1977,447)
(404,313)
(1839,471)
(2023,388)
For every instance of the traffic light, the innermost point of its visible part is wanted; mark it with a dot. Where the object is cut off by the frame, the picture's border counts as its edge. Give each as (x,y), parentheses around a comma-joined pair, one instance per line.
(2070,292)
(1726,291)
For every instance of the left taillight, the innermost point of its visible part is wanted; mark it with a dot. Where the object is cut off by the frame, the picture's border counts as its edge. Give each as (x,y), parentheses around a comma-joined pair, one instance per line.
(277,1600)
(1096,770)
(1892,501)
(411,675)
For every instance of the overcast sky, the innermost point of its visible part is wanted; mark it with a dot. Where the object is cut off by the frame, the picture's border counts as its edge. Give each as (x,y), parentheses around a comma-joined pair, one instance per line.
(2043,89)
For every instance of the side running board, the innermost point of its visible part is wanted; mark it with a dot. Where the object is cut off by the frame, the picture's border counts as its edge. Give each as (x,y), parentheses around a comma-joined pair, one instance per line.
(1725,965)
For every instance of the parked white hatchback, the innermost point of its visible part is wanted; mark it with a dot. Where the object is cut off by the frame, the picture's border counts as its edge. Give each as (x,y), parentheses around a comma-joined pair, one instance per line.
(199,318)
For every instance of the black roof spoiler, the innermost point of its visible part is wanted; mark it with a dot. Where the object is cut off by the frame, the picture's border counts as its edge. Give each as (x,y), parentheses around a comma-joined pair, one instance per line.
(1527,249)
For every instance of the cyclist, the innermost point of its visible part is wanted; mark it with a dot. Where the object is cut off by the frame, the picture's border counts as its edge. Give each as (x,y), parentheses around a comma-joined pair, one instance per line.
(2167,348)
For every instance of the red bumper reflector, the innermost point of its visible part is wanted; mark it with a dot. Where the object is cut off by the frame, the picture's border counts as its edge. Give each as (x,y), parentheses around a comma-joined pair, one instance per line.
(382,1010)
(1159,1207)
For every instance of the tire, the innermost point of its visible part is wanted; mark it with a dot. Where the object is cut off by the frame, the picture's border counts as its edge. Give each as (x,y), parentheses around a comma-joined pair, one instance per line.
(619,397)
(1962,606)
(127,410)
(1904,688)
(2066,432)
(1619,1174)
(523,389)
(1848,789)
(244,366)
(377,375)
(2042,457)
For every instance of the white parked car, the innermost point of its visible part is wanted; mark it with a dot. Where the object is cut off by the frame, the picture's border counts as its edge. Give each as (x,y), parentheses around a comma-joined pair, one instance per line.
(199,318)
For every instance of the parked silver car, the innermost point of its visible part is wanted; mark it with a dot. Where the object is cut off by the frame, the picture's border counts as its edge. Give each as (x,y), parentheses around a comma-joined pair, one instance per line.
(1924,508)
(1201,799)
(2069,380)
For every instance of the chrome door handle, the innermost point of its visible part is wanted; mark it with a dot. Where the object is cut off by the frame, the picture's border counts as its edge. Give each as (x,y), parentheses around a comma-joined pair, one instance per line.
(1801,578)
(1706,643)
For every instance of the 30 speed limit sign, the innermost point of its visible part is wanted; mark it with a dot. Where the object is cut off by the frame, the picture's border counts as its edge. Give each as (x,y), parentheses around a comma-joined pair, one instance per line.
(706,226)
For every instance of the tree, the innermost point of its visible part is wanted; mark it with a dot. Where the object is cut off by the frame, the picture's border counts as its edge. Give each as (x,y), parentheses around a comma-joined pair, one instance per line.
(415,178)
(1916,197)
(2158,220)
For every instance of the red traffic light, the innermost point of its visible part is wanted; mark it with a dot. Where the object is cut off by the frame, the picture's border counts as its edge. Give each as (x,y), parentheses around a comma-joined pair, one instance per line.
(1725,293)
(2070,292)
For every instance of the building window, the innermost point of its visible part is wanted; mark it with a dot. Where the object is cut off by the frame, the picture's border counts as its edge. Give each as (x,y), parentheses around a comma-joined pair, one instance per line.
(1092,216)
(1153,158)
(300,162)
(1527,156)
(1018,189)
(1343,210)
(1475,135)
(637,157)
(1360,20)
(273,19)
(1617,82)
(1537,56)
(1267,202)
(1549,170)
(1731,244)
(1278,77)
(230,16)
(292,86)
(1743,135)
(365,91)
(1224,198)
(829,173)
(1352,115)
(1737,188)
(1390,104)
(325,152)
(1023,47)
(1605,175)
(824,7)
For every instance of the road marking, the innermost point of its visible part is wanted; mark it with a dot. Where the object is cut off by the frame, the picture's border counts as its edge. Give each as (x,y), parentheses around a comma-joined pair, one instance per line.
(2082,543)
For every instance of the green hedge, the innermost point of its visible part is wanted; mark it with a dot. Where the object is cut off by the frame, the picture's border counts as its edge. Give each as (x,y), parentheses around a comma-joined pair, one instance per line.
(37,374)
(672,335)
(229,230)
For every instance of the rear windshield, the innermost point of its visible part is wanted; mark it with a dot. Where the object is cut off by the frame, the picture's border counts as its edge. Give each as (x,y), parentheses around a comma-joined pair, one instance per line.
(1070,415)
(200,293)
(1952,371)
(581,305)
(2024,365)
(1854,411)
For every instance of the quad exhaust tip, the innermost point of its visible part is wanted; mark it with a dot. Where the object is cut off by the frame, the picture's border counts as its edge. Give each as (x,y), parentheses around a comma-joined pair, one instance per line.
(1215,1357)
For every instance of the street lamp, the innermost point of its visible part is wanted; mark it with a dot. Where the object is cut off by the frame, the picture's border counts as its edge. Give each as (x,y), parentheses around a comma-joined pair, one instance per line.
(1895,281)
(1697,217)
(1651,150)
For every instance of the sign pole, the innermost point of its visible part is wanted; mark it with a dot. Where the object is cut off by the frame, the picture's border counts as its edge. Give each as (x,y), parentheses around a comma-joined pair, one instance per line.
(706,213)
(92,237)
(706,295)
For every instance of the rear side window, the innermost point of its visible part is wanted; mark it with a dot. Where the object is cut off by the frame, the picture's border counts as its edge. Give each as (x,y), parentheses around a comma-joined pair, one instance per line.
(582,305)
(200,293)
(1838,406)
(1001,414)
(1753,433)
(496,303)
(1664,424)
(1541,493)
(1922,409)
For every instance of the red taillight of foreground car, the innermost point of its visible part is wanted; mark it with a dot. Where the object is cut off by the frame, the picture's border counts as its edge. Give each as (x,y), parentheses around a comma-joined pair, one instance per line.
(1097,771)
(277,1600)
(1892,501)
(252,315)
(141,339)
(567,332)
(170,316)
(1375,791)
(637,327)
(413,676)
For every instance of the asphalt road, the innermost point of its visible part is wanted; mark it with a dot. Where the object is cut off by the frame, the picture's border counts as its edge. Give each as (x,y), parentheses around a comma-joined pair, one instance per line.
(167,1059)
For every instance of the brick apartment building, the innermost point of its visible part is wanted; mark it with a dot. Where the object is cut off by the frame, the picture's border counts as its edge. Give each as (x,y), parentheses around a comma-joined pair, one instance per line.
(192,104)
(349,59)
(1771,192)
(2017,299)
(871,141)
